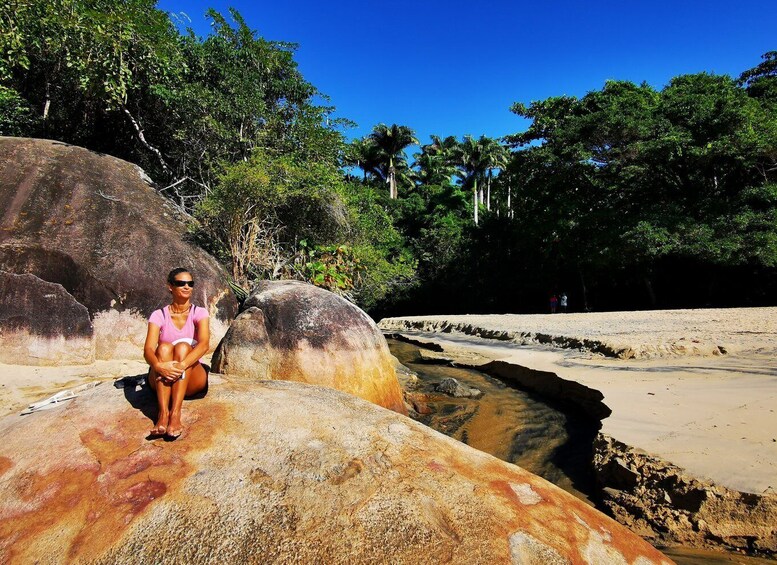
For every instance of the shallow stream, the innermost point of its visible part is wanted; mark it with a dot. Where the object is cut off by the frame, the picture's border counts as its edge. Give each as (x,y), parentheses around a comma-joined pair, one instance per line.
(524,429)
(509,423)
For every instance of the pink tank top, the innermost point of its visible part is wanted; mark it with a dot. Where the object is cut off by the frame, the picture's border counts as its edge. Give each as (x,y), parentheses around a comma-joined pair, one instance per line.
(168,333)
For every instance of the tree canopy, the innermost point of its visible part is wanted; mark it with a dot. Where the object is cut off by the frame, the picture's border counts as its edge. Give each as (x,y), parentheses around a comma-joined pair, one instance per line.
(629,196)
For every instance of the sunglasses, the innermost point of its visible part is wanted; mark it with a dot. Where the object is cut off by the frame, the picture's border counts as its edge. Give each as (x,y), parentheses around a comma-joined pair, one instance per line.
(183,283)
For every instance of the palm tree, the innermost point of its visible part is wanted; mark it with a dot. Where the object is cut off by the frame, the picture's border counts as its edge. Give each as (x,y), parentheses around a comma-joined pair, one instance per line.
(363,153)
(391,142)
(496,158)
(443,147)
(436,162)
(507,182)
(473,164)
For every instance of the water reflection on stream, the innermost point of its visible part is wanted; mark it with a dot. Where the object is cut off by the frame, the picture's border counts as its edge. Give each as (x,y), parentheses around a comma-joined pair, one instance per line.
(508,423)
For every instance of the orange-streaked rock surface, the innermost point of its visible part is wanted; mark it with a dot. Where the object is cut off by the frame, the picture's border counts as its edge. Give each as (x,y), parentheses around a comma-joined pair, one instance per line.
(277,472)
(293,331)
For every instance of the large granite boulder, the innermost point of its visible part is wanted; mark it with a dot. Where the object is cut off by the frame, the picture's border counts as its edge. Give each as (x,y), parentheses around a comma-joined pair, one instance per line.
(293,331)
(85,246)
(277,472)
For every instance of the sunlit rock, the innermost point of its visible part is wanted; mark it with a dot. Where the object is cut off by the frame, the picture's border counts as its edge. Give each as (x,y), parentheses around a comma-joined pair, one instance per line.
(99,242)
(277,472)
(294,331)
(452,387)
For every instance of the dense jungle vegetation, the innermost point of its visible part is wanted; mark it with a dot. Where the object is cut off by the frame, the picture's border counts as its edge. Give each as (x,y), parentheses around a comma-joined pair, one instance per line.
(628,197)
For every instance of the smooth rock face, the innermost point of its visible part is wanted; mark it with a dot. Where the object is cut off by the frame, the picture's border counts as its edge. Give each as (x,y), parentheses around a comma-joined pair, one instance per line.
(277,472)
(44,320)
(92,227)
(289,330)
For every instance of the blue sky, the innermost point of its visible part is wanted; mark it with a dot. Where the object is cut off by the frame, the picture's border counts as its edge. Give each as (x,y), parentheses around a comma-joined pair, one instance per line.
(454,67)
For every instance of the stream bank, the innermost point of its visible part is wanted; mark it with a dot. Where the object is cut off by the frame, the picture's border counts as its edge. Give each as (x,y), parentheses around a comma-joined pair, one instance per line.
(656,499)
(505,421)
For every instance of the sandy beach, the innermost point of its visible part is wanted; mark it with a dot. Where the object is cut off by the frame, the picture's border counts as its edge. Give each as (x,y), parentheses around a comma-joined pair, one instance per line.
(699,389)
(21,385)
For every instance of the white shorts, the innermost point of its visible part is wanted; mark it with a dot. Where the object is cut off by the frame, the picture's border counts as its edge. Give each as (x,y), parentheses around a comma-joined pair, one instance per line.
(189,340)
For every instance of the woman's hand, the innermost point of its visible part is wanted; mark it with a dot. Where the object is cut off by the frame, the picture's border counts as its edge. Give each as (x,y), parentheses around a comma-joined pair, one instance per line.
(169,371)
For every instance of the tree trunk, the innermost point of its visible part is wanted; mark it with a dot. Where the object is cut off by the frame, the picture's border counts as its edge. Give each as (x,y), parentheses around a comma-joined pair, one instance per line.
(475,197)
(392,180)
(488,193)
(46,105)
(509,206)
(583,289)
(145,143)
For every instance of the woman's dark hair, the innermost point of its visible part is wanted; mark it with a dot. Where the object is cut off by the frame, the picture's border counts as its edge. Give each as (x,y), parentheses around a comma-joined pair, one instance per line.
(175,272)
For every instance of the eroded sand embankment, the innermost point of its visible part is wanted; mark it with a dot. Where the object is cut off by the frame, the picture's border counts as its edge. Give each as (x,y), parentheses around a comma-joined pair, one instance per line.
(624,335)
(689,453)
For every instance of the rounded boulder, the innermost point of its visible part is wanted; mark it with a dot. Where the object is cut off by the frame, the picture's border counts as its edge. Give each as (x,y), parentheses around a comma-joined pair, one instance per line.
(86,243)
(293,331)
(277,472)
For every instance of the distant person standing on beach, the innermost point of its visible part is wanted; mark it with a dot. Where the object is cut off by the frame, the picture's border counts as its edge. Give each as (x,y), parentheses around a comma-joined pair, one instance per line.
(563,302)
(553,304)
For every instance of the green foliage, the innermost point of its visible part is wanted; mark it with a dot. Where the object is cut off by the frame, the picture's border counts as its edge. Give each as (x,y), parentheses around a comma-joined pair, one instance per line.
(628,177)
(241,294)
(761,80)
(627,183)
(333,267)
(388,266)
(241,92)
(79,62)
(261,207)
(16,117)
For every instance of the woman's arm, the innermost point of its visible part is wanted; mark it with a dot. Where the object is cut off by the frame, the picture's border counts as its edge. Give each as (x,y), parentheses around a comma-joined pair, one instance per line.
(203,344)
(165,369)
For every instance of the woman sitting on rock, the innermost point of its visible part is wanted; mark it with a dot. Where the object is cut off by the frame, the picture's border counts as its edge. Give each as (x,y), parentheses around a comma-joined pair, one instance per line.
(178,335)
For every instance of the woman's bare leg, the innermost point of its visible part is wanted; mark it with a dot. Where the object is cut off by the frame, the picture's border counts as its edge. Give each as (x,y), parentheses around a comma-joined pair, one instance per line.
(195,381)
(164,352)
